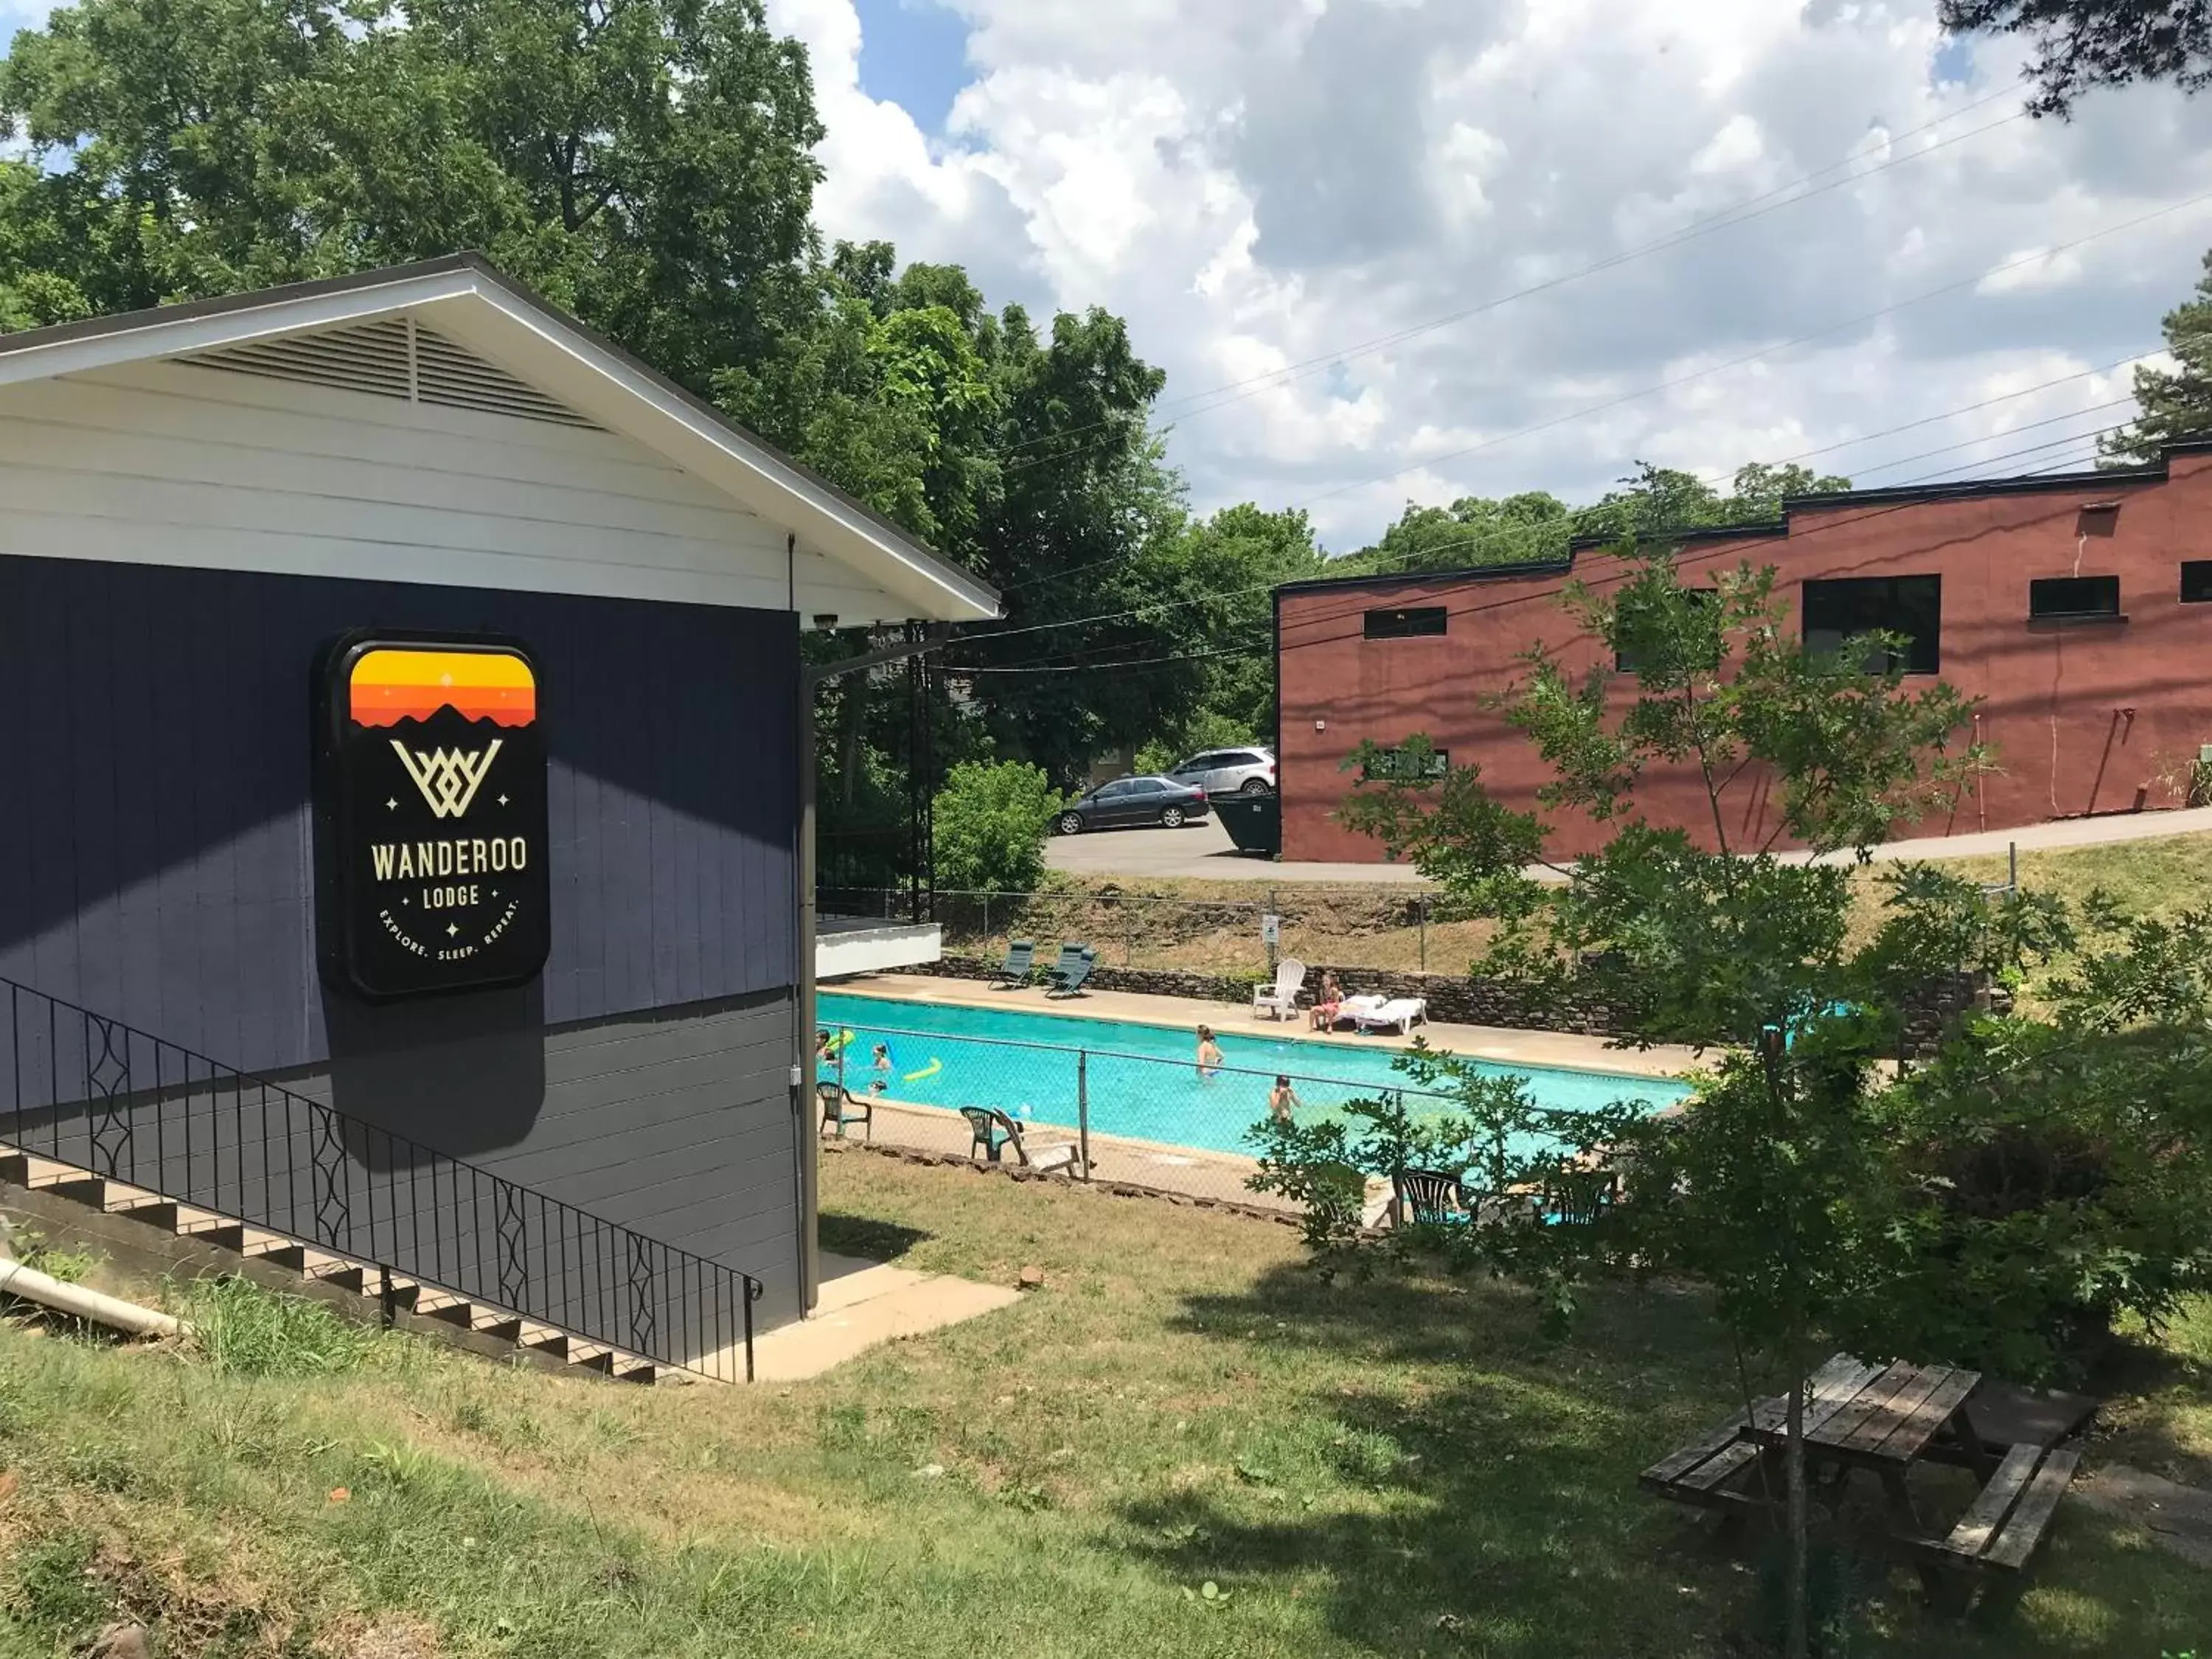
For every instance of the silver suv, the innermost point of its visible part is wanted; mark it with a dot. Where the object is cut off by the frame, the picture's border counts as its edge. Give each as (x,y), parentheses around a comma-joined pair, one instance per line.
(1247,771)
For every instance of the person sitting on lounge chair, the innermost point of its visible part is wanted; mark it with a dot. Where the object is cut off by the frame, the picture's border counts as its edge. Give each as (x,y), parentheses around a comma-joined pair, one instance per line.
(1328,1002)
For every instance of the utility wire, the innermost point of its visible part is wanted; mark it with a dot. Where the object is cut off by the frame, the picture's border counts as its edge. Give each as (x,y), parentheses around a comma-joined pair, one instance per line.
(1876,315)
(1884,311)
(1258,646)
(1738,213)
(1716,480)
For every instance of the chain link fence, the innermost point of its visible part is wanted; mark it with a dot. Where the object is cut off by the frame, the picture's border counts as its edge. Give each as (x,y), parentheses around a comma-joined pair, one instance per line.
(1135,1119)
(1409,931)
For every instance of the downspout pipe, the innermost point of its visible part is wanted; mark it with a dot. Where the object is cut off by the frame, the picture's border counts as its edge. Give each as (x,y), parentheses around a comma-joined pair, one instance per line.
(812,679)
(110,1311)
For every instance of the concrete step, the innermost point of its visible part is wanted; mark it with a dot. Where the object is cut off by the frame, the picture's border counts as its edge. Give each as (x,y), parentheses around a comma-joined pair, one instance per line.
(407,1293)
(152,1211)
(283,1252)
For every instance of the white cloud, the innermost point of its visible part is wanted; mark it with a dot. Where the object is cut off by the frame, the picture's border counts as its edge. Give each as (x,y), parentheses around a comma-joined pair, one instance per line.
(1257,186)
(2035,268)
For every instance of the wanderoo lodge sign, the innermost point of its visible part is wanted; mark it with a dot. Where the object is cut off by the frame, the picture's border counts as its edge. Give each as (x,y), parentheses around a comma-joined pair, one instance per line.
(431,816)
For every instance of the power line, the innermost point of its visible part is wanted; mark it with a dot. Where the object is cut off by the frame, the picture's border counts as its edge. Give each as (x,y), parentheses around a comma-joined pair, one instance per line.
(1047,664)
(1785,460)
(1142,610)
(1721,219)
(2014,263)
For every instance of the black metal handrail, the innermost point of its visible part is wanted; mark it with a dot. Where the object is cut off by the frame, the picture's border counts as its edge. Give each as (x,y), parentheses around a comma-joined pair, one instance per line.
(91,1091)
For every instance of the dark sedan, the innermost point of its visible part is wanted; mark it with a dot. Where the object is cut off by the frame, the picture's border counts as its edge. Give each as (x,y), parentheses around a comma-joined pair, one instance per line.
(1127,802)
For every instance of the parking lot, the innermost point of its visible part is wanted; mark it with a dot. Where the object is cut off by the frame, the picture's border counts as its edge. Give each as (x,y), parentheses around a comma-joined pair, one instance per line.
(1200,851)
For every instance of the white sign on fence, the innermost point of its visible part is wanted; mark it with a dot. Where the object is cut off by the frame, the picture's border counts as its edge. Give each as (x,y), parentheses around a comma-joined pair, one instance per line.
(1270,930)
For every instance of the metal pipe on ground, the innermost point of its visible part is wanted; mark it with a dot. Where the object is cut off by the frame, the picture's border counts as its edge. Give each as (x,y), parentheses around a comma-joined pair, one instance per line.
(114,1313)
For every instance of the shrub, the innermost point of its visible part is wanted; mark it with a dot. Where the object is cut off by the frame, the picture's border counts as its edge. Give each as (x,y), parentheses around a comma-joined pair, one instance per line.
(991,824)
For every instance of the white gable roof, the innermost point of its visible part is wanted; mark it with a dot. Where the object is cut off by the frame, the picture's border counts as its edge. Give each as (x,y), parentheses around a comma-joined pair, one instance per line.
(465,300)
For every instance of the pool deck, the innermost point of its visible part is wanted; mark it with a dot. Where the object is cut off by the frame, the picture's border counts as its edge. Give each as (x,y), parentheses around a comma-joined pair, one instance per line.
(1517,1048)
(1195,1171)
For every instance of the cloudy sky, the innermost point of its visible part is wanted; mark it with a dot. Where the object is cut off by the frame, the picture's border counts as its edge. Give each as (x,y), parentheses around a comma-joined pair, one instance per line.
(1322,217)
(1358,235)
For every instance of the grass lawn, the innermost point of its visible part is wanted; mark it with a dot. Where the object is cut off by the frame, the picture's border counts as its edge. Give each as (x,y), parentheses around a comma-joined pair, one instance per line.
(1379,1468)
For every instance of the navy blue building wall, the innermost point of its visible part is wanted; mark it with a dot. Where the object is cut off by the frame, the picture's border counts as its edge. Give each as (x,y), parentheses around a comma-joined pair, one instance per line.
(156,860)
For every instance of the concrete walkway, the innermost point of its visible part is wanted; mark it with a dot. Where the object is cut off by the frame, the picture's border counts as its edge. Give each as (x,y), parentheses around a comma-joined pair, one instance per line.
(1203,852)
(865,1303)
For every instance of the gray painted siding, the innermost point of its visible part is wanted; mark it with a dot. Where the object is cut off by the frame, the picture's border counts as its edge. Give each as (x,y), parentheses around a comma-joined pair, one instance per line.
(156,860)
(155,845)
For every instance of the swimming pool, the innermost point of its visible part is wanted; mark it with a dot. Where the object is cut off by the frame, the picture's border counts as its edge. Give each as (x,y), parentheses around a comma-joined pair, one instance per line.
(1141,1081)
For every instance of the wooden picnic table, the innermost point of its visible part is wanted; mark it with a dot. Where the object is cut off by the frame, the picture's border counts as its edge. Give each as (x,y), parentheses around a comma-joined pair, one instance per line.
(1884,1419)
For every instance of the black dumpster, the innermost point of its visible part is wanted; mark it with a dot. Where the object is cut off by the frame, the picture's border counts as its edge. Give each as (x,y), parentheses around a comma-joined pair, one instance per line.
(1254,822)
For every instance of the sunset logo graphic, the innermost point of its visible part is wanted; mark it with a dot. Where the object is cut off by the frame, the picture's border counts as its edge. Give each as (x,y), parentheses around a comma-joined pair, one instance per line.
(389,687)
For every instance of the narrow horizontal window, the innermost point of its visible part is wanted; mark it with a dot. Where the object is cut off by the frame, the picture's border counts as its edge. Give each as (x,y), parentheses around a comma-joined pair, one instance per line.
(1629,657)
(1406,623)
(1847,608)
(2052,598)
(2196,581)
(1400,766)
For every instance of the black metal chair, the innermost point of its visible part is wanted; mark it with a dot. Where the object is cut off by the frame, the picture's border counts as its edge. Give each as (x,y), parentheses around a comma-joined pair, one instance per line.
(1430,1198)
(1576,1198)
(841,1106)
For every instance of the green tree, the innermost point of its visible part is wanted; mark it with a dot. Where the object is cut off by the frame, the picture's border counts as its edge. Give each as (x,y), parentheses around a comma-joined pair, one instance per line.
(2001,1204)
(1770,1189)
(2081,44)
(1087,527)
(991,824)
(1230,564)
(647,163)
(1759,490)
(888,387)
(1471,531)
(2176,404)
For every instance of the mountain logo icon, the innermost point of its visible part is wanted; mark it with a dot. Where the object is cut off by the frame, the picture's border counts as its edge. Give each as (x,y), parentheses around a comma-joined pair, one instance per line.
(448,778)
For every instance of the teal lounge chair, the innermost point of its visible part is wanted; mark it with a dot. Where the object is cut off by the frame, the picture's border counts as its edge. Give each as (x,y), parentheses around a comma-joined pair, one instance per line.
(1019,967)
(1076,962)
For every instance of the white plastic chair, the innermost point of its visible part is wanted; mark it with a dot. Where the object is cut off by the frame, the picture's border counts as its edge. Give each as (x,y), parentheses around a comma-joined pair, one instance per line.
(1283,1000)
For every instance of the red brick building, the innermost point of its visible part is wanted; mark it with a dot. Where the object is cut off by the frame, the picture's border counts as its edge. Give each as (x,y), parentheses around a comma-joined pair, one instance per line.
(2077,607)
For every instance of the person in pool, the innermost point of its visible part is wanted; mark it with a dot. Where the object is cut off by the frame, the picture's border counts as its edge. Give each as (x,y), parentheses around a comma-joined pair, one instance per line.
(1209,1052)
(1280,1099)
(882,1066)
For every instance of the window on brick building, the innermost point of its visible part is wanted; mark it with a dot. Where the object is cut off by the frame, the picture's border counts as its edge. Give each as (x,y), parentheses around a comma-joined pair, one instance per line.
(1629,655)
(1405,623)
(2070,598)
(1845,607)
(1403,766)
(2196,581)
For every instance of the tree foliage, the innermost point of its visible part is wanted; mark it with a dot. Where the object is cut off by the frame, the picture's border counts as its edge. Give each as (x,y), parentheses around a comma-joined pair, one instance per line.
(2175,405)
(647,163)
(1537,527)
(1998,1206)
(991,822)
(2082,45)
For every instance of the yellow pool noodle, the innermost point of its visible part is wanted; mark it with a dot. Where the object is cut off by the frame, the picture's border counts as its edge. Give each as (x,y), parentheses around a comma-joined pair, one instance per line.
(930,1070)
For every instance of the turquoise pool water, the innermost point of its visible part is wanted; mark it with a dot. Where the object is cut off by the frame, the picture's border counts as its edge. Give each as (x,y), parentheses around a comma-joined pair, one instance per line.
(1142,1079)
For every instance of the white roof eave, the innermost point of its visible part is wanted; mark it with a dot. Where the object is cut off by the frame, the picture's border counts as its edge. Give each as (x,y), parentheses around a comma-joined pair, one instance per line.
(532,340)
